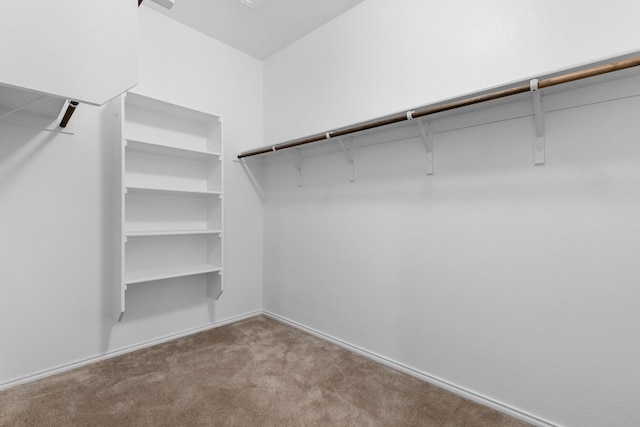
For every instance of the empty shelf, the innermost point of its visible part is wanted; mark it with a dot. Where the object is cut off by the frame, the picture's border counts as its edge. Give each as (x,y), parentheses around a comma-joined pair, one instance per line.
(169,272)
(173,190)
(151,233)
(146,147)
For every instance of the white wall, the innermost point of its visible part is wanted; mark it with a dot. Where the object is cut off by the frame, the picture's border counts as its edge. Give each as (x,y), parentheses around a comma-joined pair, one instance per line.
(55,215)
(515,282)
(386,56)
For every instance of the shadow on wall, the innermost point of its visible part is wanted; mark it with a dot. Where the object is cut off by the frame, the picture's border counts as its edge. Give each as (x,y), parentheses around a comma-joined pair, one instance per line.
(16,153)
(163,297)
(252,168)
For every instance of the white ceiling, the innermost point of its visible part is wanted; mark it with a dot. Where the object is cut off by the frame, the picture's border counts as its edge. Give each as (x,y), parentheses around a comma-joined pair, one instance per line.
(261,30)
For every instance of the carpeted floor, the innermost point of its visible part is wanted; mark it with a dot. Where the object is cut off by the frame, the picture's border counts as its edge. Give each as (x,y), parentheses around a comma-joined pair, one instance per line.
(256,372)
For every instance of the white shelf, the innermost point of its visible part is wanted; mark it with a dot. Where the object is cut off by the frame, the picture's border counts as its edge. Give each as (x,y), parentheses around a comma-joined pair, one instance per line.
(70,49)
(169,272)
(153,233)
(146,147)
(147,103)
(169,208)
(173,191)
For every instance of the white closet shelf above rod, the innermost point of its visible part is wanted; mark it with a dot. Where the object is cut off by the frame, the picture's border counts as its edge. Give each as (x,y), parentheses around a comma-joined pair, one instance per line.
(71,107)
(478,98)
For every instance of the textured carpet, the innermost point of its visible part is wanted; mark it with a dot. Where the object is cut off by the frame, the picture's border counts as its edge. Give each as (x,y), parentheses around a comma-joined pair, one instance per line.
(256,372)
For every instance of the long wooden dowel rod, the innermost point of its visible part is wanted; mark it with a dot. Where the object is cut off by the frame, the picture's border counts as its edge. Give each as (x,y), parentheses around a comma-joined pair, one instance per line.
(433,109)
(71,108)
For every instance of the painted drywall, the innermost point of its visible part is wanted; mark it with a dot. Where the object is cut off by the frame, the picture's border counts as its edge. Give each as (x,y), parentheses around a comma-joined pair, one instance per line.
(382,57)
(515,282)
(512,281)
(55,216)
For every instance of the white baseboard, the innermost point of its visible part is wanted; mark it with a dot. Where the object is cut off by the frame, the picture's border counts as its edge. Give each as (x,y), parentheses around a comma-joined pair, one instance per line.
(124,350)
(461,391)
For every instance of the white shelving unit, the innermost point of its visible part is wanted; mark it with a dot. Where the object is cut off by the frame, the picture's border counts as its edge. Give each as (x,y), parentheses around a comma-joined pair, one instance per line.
(169,194)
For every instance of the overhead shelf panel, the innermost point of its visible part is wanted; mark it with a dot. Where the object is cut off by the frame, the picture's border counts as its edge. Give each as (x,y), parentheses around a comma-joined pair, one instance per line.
(73,49)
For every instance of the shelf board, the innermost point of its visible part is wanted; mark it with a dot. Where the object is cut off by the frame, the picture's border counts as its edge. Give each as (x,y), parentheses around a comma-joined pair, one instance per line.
(152,104)
(153,233)
(146,147)
(172,190)
(170,272)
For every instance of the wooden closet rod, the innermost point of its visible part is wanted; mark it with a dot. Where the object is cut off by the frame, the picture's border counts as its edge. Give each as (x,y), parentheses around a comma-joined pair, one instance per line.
(71,108)
(433,109)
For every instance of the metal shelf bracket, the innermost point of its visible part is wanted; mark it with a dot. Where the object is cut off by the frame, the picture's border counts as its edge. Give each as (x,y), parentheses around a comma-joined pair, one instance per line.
(539,121)
(350,156)
(429,144)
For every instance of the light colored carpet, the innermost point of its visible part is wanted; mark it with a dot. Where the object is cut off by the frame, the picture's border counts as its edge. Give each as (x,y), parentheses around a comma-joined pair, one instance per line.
(256,372)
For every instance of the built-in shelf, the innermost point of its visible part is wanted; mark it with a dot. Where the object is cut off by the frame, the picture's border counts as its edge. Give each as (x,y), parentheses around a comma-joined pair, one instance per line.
(153,148)
(173,191)
(153,233)
(168,272)
(169,207)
